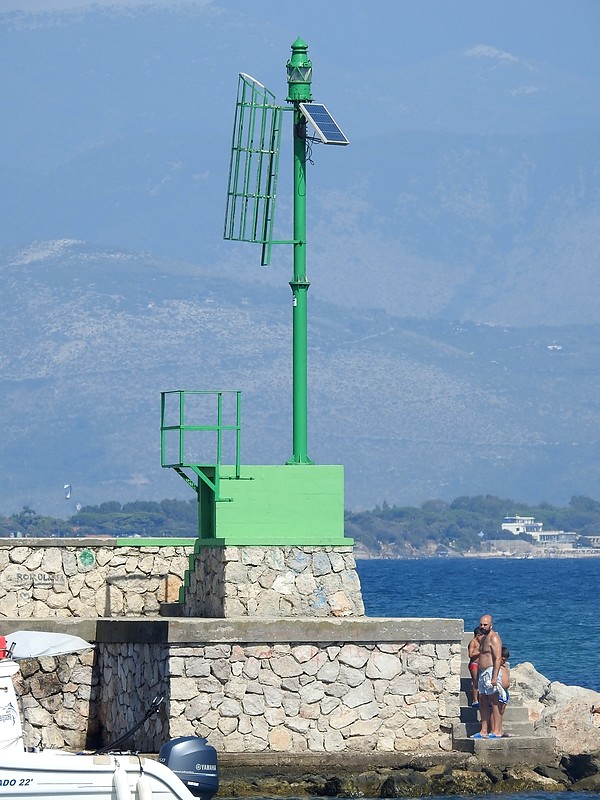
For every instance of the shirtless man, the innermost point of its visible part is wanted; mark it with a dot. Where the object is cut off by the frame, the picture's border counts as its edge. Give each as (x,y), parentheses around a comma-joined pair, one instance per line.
(490,661)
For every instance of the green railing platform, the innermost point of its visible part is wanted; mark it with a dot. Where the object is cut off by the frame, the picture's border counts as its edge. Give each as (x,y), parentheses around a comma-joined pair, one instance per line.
(182,444)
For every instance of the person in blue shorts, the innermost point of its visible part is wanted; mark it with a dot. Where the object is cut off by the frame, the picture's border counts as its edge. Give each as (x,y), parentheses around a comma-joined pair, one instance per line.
(504,680)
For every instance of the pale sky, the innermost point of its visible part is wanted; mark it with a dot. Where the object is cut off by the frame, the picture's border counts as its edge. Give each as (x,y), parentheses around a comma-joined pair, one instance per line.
(560,32)
(39,6)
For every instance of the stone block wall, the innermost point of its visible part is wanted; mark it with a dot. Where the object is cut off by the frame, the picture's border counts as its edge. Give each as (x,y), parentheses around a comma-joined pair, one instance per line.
(57,694)
(138,674)
(44,578)
(320,698)
(274,581)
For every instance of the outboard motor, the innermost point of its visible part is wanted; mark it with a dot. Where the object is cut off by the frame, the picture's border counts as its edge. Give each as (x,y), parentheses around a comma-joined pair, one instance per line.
(194,762)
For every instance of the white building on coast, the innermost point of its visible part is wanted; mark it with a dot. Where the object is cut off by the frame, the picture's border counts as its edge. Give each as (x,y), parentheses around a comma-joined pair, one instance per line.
(517,524)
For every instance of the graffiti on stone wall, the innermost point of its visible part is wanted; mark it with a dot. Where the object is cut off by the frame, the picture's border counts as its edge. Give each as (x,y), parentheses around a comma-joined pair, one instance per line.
(46,579)
(24,582)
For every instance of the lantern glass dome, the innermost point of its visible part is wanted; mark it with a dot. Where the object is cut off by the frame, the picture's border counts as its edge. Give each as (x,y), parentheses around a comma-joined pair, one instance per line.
(299,73)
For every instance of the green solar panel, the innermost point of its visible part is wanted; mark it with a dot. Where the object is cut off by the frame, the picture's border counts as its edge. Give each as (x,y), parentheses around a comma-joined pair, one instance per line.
(326,128)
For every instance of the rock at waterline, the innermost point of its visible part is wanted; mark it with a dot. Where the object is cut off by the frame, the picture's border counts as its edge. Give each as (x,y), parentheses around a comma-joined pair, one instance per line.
(559,710)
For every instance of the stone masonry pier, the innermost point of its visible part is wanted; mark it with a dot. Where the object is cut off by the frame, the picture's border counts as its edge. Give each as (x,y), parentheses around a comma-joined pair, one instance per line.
(144,578)
(301,685)
(266,651)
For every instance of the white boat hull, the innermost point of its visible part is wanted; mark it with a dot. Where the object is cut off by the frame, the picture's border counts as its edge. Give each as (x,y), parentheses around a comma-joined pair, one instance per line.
(63,776)
(60,775)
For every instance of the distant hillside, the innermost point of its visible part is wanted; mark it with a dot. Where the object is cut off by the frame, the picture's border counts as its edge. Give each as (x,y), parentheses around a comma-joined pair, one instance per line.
(414,409)
(466,525)
(499,229)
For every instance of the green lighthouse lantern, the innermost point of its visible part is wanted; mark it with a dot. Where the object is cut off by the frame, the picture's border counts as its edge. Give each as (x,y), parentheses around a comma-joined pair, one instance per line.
(299,73)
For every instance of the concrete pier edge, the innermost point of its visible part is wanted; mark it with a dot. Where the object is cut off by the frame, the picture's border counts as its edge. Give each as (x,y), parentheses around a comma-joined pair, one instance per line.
(297,629)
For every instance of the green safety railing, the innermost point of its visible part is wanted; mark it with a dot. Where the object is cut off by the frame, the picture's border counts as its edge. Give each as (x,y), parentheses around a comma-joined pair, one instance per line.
(181,427)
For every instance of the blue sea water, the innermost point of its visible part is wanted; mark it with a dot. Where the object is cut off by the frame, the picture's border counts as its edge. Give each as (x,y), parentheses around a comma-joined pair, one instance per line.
(546,610)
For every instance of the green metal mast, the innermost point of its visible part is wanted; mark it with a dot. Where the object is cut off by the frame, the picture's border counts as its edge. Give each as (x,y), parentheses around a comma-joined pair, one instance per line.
(260,505)
(252,191)
(299,72)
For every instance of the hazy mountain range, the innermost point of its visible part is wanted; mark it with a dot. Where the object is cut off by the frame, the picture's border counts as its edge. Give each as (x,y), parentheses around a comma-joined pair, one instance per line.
(413,408)
(453,253)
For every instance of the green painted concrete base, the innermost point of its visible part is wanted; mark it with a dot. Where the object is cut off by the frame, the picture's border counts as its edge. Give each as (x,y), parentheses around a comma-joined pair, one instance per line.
(290,504)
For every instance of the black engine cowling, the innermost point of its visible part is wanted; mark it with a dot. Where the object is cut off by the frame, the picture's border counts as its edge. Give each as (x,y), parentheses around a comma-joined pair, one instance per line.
(194,762)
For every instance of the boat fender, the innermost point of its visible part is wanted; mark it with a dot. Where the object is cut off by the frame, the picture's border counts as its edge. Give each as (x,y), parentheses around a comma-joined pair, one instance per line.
(121,783)
(143,789)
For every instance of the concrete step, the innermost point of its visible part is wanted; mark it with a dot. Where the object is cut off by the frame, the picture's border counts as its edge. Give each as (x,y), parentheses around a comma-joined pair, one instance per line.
(520,745)
(531,750)
(466,689)
(465,701)
(463,744)
(512,714)
(461,730)
(536,750)
(465,680)
(466,683)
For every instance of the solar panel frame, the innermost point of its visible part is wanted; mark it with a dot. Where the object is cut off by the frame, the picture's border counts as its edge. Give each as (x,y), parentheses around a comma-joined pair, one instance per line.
(326,128)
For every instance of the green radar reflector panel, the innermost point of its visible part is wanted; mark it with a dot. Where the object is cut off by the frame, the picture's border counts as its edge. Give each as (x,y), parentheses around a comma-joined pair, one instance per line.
(326,128)
(252,185)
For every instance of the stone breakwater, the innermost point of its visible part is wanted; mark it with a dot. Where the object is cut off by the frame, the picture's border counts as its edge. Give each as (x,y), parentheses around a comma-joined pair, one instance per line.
(559,710)
(405,775)
(88,577)
(277,709)
(45,578)
(273,582)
